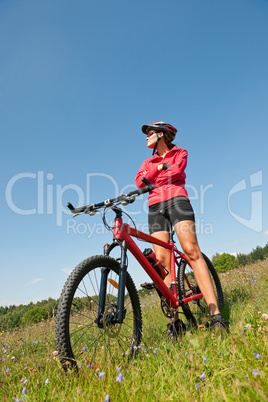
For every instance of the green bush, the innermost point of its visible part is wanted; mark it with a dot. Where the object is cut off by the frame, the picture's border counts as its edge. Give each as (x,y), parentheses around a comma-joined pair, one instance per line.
(33,316)
(225,262)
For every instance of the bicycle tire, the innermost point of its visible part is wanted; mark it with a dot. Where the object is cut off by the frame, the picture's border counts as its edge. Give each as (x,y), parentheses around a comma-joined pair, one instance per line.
(197,311)
(79,339)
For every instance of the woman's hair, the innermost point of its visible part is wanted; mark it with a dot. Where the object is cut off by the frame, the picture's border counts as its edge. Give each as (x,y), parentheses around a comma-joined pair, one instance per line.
(168,140)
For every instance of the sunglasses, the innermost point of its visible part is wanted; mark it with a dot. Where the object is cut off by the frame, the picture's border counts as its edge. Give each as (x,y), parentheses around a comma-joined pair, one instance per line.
(151,132)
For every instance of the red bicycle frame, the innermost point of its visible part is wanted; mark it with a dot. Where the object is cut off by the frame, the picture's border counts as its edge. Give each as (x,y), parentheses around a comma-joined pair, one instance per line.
(124,232)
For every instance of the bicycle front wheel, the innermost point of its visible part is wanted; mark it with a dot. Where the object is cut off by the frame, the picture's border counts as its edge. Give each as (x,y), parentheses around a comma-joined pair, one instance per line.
(80,338)
(197,311)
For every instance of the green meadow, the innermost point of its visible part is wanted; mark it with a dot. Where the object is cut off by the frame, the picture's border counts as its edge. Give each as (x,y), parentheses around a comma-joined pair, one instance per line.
(201,366)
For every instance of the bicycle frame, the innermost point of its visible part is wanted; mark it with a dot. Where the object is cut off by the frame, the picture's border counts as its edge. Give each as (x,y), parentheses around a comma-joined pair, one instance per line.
(123,234)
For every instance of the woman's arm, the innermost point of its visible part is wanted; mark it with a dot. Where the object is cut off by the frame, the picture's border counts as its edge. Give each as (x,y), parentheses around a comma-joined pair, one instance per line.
(175,171)
(147,172)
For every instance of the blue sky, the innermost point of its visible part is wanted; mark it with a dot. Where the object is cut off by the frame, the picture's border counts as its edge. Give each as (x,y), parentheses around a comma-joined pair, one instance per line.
(77,82)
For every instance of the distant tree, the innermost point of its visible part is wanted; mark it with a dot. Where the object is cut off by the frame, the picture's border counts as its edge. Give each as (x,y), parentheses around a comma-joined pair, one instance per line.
(34,315)
(242,259)
(214,259)
(265,251)
(226,262)
(257,254)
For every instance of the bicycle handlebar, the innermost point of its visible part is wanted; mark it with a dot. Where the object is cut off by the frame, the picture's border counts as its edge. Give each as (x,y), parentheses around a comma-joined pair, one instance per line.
(110,201)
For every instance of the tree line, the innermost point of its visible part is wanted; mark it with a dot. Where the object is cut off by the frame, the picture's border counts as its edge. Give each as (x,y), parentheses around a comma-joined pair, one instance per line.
(225,262)
(24,315)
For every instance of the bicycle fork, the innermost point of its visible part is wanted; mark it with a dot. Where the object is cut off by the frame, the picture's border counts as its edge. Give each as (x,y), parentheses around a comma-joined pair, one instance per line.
(117,315)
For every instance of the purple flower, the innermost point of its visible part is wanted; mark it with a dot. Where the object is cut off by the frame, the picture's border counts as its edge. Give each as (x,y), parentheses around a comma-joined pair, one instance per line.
(101,374)
(205,359)
(46,382)
(203,376)
(119,378)
(155,351)
(8,370)
(84,349)
(24,390)
(257,355)
(25,381)
(107,398)
(197,387)
(255,372)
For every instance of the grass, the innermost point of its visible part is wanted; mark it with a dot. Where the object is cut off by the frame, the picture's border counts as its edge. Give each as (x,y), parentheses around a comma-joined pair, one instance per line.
(200,366)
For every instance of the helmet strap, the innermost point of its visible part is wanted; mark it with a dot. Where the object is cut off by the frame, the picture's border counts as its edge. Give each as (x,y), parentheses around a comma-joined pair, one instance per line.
(158,139)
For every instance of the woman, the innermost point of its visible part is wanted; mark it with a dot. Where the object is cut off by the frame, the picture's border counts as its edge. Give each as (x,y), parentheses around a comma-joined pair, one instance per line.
(166,171)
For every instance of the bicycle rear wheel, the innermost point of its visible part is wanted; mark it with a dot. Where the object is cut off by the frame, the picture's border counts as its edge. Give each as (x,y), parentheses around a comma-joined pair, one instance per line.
(197,311)
(80,339)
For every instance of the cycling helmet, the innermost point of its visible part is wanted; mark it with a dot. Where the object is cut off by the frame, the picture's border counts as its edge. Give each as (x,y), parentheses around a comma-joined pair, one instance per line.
(159,126)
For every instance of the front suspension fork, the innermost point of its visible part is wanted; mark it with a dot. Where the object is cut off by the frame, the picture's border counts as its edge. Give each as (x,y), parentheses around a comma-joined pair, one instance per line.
(119,314)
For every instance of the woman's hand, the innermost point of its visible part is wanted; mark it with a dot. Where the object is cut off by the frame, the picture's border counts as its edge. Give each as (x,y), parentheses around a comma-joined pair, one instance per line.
(163,166)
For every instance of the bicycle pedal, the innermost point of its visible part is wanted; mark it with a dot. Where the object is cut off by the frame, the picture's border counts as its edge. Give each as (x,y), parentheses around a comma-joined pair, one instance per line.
(147,285)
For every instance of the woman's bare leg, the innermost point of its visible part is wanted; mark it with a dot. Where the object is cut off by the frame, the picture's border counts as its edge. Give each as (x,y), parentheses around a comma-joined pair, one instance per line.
(185,231)
(163,254)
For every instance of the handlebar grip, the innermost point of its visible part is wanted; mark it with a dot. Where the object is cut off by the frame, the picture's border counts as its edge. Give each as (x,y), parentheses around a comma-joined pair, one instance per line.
(147,182)
(70,206)
(75,210)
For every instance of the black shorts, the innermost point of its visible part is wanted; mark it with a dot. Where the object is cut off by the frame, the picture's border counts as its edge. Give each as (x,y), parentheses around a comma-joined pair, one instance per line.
(177,209)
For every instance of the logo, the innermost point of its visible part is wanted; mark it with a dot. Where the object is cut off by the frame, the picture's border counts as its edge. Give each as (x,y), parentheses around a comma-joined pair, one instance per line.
(250,196)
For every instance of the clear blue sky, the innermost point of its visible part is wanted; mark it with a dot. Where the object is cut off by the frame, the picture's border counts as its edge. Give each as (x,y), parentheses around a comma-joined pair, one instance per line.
(78,80)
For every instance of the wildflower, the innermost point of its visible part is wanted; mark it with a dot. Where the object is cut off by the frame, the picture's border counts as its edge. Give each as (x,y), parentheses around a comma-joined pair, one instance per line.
(247,326)
(203,376)
(197,387)
(25,381)
(257,355)
(46,382)
(118,369)
(107,398)
(205,359)
(24,390)
(264,316)
(155,351)
(119,378)
(8,370)
(55,353)
(101,374)
(84,349)
(255,372)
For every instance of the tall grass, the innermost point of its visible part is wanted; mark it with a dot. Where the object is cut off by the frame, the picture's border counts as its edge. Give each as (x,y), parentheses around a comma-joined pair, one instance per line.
(200,366)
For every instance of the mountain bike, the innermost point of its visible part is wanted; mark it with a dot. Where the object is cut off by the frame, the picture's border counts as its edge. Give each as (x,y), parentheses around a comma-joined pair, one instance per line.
(99,313)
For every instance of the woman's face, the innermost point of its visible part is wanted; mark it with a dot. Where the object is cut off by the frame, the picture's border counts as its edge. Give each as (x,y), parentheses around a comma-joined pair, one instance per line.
(152,138)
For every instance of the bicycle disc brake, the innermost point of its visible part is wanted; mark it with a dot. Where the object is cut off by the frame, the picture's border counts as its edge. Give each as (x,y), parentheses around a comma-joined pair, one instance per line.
(110,326)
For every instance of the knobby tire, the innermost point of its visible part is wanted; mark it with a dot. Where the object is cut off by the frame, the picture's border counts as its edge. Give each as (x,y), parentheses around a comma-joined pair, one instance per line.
(80,341)
(197,312)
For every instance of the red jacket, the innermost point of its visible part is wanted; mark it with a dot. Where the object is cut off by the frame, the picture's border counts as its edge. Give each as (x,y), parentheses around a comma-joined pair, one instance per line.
(169,183)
